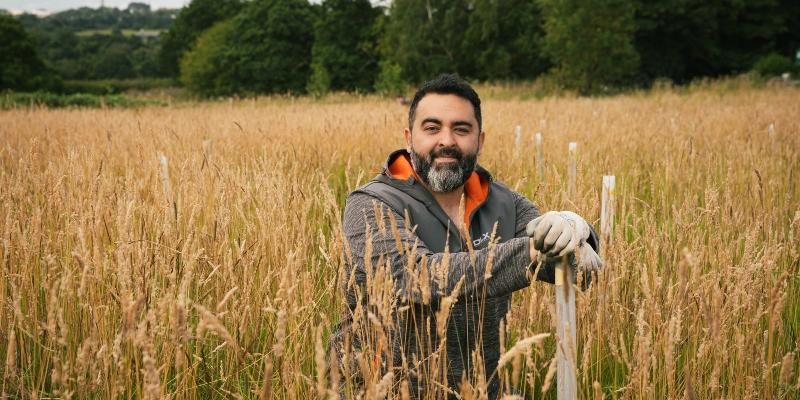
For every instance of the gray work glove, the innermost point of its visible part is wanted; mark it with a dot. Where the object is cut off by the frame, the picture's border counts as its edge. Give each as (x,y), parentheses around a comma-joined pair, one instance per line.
(558,233)
(584,261)
(588,263)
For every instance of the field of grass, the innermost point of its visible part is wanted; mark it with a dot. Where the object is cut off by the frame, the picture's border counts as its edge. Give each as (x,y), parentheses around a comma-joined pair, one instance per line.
(127,275)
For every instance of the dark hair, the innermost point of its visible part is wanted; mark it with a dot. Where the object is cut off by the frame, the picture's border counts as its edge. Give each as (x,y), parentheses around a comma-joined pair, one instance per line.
(446,84)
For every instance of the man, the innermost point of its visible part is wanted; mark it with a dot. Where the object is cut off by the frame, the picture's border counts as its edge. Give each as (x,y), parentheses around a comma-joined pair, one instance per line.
(434,249)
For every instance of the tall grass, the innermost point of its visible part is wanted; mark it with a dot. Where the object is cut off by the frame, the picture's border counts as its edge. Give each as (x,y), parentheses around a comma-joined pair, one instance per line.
(195,277)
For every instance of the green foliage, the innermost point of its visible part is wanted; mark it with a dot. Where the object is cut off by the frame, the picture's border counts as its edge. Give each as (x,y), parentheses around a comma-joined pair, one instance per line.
(747,30)
(320,81)
(20,66)
(144,62)
(100,55)
(81,100)
(591,43)
(268,50)
(487,40)
(114,86)
(673,37)
(685,39)
(204,67)
(426,38)
(505,36)
(277,46)
(102,43)
(135,16)
(344,54)
(787,40)
(390,79)
(114,62)
(264,49)
(774,65)
(190,23)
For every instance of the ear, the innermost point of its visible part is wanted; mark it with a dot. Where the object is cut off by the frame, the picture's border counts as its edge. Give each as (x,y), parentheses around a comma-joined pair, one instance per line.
(481,138)
(407,135)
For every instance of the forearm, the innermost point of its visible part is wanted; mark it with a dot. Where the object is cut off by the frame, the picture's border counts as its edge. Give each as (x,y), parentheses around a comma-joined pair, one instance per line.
(378,237)
(497,270)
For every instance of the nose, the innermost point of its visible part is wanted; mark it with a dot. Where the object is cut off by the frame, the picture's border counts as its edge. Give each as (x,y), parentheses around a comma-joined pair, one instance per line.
(446,138)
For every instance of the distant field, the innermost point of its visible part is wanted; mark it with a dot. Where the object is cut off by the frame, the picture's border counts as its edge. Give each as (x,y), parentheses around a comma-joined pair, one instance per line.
(125,32)
(122,276)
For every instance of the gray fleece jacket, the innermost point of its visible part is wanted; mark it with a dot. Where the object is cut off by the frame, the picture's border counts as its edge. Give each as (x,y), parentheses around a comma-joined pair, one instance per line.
(404,259)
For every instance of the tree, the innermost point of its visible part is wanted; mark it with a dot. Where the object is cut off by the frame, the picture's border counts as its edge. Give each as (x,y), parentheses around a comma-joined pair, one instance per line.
(344,54)
(747,30)
(204,68)
(266,49)
(113,60)
(144,61)
(424,38)
(138,8)
(685,39)
(788,41)
(675,38)
(390,80)
(20,67)
(504,40)
(190,23)
(591,43)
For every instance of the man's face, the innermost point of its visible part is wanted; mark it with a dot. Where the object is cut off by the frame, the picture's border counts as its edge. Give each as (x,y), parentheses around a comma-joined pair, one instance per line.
(444,141)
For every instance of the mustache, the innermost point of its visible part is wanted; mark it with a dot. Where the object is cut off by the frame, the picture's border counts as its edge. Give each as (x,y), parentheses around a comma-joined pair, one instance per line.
(447,152)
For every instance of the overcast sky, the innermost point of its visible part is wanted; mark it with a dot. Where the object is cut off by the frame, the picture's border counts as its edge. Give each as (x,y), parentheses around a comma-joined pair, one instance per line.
(60,5)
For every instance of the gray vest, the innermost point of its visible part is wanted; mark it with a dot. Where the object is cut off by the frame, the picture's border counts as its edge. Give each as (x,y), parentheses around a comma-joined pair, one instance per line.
(434,226)
(437,231)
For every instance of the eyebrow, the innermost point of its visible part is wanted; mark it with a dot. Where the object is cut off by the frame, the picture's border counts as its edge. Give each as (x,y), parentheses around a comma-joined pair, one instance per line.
(439,122)
(431,119)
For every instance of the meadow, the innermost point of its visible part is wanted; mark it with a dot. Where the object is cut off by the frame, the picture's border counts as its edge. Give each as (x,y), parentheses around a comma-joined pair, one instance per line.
(189,251)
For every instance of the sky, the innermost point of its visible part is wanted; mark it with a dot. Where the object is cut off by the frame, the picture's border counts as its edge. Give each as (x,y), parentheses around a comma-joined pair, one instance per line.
(61,5)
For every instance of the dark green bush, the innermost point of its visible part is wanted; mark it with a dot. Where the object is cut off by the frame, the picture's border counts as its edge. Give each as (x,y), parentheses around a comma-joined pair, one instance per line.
(774,65)
(78,100)
(115,86)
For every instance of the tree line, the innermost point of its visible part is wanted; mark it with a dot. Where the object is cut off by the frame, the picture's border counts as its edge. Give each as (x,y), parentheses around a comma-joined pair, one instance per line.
(226,47)
(92,44)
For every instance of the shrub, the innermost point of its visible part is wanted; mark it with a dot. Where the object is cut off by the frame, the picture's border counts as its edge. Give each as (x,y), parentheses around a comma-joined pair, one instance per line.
(78,100)
(114,86)
(774,64)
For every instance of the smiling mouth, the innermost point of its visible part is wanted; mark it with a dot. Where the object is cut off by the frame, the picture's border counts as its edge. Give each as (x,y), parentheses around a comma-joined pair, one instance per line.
(445,159)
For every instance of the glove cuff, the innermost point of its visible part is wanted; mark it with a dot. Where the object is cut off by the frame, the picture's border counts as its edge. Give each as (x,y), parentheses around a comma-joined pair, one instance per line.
(580,225)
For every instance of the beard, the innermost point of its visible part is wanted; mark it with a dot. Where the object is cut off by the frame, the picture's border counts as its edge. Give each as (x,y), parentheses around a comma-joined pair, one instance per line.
(444,177)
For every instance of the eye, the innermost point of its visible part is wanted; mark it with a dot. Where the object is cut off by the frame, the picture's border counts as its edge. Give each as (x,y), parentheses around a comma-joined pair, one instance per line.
(462,130)
(431,128)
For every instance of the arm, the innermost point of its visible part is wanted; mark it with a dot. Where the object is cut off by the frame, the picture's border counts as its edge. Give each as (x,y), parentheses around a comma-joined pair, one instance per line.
(420,275)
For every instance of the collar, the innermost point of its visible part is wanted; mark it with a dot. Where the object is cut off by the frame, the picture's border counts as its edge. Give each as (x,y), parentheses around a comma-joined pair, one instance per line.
(476,188)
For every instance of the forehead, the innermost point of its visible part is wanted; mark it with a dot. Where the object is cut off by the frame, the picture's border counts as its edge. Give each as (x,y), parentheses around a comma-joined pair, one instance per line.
(446,108)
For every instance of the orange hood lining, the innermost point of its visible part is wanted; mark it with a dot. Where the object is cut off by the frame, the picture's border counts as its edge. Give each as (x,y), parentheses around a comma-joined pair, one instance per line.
(476,189)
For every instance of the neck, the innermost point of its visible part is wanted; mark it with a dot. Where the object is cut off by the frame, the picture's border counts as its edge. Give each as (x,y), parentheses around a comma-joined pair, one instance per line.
(449,199)
(450,202)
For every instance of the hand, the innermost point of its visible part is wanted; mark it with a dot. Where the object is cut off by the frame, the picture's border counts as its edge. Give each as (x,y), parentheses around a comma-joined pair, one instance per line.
(584,260)
(589,263)
(558,233)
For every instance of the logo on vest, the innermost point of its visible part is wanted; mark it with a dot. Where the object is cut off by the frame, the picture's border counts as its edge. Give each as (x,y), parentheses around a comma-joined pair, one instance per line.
(480,241)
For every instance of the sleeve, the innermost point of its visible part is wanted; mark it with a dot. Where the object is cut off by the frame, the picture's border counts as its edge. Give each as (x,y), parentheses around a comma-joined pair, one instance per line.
(527,212)
(377,235)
